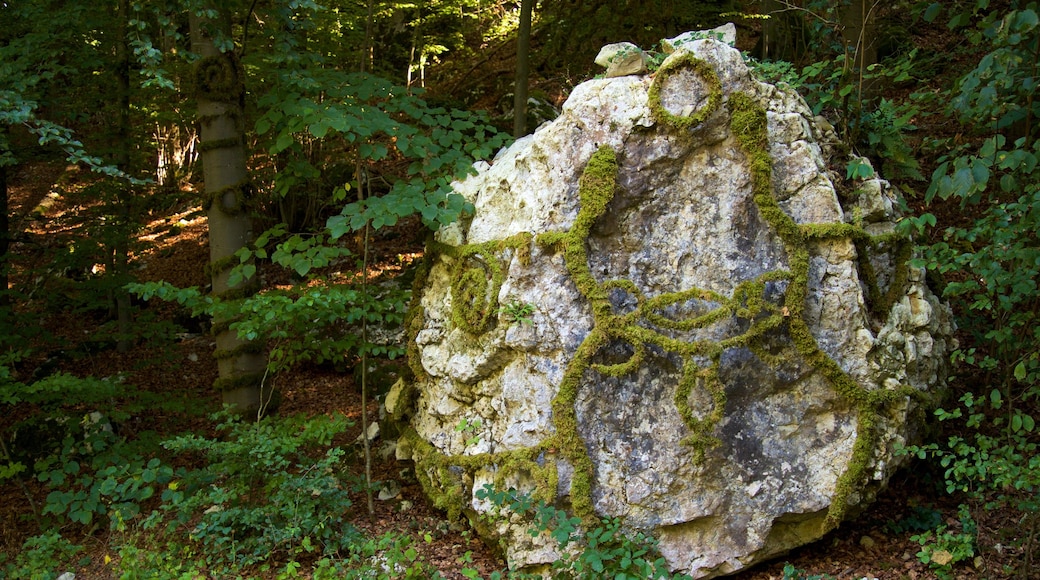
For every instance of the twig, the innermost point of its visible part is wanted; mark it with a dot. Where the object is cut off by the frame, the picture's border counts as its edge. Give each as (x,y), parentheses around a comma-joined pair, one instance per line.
(364,359)
(789,7)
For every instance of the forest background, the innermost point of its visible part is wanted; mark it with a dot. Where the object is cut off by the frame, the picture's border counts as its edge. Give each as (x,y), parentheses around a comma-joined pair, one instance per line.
(270,170)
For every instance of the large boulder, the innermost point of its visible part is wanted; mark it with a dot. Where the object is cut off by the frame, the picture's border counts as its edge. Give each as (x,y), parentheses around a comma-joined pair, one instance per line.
(662,311)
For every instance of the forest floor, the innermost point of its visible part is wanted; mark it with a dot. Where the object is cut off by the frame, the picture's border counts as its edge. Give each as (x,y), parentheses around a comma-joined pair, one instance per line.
(873,545)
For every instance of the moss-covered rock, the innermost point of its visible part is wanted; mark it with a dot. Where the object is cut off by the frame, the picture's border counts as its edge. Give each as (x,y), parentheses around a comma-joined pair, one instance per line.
(712,351)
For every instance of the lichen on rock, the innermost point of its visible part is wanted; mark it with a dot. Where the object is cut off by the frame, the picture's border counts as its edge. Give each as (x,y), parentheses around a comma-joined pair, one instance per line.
(716,355)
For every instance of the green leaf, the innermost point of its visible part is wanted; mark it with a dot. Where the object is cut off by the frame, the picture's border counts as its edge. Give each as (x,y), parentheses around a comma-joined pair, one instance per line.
(108,486)
(1020,371)
(1025,20)
(995,398)
(284,141)
(319,129)
(980,173)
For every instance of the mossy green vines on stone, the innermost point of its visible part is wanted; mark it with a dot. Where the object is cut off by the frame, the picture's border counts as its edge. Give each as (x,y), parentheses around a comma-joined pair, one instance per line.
(477,278)
(748,123)
(902,249)
(596,190)
(685,62)
(700,438)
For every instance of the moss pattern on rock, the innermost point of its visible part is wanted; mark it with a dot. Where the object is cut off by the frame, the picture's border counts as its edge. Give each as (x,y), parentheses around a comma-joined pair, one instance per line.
(685,63)
(763,315)
(475,290)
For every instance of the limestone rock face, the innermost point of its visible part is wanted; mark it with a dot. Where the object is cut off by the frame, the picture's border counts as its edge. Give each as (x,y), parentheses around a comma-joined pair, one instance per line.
(662,311)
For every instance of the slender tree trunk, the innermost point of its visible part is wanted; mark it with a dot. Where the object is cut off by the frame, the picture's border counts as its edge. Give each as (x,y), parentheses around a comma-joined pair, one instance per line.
(5,241)
(122,161)
(859,31)
(523,54)
(771,30)
(220,94)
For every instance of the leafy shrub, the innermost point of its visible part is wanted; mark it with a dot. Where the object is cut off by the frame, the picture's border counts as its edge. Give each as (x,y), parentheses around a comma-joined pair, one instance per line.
(262,494)
(42,557)
(90,470)
(944,547)
(836,87)
(388,557)
(991,266)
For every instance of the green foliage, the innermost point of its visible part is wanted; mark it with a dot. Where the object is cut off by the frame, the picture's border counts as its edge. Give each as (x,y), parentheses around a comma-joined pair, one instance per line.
(604,551)
(374,121)
(470,428)
(388,557)
(837,88)
(517,312)
(42,557)
(263,494)
(793,573)
(99,476)
(173,561)
(316,320)
(921,519)
(89,469)
(990,266)
(944,547)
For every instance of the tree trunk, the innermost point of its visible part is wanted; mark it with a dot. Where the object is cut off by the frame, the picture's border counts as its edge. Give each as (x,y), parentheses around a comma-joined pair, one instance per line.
(121,250)
(5,240)
(220,93)
(859,31)
(523,53)
(783,32)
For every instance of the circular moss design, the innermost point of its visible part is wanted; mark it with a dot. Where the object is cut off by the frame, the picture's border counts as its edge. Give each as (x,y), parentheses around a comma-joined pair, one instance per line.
(219,78)
(473,295)
(685,63)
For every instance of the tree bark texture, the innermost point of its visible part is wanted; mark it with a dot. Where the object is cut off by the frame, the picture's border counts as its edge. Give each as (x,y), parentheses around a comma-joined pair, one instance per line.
(523,53)
(220,93)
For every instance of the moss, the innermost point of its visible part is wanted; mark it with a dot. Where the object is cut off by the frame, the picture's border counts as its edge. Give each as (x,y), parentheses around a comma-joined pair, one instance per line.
(214,144)
(240,200)
(415,317)
(221,265)
(749,124)
(477,278)
(218,78)
(700,438)
(230,383)
(881,303)
(251,347)
(243,290)
(686,61)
